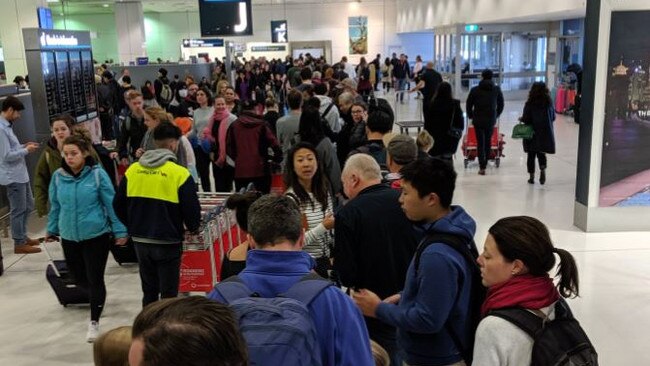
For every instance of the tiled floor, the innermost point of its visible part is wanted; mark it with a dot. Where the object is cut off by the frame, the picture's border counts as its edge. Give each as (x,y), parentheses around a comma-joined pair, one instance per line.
(615,276)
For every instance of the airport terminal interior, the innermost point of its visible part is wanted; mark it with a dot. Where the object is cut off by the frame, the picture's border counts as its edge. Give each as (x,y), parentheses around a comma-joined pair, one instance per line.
(594,201)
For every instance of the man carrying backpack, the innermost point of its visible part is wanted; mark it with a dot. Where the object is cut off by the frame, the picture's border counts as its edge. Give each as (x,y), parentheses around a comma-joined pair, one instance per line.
(438,311)
(288,315)
(162,87)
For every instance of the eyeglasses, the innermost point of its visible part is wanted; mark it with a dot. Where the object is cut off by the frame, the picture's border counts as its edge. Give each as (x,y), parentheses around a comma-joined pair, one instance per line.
(357,111)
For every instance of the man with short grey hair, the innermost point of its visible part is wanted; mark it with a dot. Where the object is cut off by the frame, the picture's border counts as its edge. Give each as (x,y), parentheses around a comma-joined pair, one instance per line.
(374,240)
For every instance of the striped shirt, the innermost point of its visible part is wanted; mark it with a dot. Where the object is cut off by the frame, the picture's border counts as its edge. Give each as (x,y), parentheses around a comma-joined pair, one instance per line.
(318,239)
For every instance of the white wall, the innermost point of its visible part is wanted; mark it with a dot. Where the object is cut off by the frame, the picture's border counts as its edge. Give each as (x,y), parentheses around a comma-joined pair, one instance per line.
(420,15)
(307,22)
(414,44)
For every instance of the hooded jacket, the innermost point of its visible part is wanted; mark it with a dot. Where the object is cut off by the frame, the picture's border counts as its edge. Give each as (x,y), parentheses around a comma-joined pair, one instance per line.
(81,205)
(484,104)
(156,198)
(48,163)
(332,117)
(342,336)
(248,141)
(433,298)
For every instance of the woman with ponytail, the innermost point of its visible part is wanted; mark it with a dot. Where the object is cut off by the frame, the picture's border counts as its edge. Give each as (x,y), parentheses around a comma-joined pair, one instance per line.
(515,264)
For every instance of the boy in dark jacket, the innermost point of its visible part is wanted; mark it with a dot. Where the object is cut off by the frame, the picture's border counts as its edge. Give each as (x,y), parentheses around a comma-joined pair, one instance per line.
(484,106)
(156,199)
(434,307)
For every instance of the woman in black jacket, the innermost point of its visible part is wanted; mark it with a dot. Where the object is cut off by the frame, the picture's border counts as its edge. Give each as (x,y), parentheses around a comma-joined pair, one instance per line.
(539,112)
(444,122)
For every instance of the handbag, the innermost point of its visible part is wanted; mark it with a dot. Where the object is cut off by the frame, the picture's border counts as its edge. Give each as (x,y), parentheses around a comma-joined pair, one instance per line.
(452,131)
(523,131)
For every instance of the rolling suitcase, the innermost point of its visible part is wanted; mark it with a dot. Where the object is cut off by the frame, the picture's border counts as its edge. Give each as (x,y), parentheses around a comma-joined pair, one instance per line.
(125,253)
(64,285)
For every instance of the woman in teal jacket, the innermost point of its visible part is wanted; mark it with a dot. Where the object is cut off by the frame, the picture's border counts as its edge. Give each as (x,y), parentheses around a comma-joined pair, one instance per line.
(81,213)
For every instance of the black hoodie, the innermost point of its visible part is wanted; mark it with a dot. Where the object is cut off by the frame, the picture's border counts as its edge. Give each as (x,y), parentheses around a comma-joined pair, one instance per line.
(484,104)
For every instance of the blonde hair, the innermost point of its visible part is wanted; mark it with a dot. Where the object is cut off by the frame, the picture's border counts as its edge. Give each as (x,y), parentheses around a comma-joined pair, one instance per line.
(112,347)
(220,85)
(387,137)
(132,94)
(424,141)
(379,354)
(159,114)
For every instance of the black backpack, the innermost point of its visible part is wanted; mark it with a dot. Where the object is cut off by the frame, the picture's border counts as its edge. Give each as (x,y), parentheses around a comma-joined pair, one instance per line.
(559,342)
(477,293)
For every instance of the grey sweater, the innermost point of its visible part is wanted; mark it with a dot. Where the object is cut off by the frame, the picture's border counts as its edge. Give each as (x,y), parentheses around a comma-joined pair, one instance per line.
(501,343)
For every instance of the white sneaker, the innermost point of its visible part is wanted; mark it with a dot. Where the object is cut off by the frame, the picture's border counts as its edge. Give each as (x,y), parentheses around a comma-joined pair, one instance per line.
(93,331)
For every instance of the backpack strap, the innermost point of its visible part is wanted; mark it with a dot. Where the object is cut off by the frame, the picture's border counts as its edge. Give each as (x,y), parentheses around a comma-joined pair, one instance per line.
(308,288)
(455,241)
(233,288)
(522,318)
(327,110)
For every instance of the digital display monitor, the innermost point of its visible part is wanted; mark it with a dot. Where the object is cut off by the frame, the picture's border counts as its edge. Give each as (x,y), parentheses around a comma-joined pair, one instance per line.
(226,18)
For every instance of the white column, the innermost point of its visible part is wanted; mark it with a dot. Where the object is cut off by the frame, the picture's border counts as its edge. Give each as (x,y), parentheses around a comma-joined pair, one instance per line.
(129,22)
(16,15)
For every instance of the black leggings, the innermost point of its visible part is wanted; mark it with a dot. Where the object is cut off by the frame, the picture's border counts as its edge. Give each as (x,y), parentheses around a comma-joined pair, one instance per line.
(86,262)
(541,157)
(387,86)
(203,163)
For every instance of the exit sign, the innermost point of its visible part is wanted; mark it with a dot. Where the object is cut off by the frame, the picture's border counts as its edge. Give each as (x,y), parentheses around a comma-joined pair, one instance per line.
(471,28)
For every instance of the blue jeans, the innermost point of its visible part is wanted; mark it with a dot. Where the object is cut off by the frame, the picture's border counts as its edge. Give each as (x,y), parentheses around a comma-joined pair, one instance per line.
(160,270)
(401,89)
(21,204)
(483,141)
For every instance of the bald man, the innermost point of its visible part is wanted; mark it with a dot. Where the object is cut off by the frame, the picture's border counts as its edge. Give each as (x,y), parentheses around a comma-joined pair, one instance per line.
(374,240)
(428,85)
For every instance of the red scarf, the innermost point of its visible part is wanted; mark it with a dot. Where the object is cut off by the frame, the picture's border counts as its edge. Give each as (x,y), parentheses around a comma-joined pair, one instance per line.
(526,291)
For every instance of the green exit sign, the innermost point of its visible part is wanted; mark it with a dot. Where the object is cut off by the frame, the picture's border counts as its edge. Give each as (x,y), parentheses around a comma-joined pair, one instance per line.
(471,28)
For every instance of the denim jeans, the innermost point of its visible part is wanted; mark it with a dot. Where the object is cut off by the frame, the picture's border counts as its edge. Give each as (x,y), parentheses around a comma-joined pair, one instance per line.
(400,89)
(483,141)
(21,204)
(160,269)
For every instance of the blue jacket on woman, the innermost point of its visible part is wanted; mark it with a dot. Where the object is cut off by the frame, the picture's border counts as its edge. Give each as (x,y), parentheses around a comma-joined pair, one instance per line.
(81,206)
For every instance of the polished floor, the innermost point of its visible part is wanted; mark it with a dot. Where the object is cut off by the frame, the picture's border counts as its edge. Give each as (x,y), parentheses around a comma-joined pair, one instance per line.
(614,270)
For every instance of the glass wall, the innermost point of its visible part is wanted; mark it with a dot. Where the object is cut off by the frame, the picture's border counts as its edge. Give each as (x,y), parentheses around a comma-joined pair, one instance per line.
(524,59)
(479,52)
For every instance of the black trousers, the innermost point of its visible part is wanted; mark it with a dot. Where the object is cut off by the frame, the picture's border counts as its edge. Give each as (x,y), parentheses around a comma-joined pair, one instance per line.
(203,163)
(483,137)
(223,177)
(541,157)
(86,262)
(262,184)
(160,269)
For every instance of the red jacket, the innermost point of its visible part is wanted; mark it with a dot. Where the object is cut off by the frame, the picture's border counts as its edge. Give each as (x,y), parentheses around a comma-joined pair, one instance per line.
(248,141)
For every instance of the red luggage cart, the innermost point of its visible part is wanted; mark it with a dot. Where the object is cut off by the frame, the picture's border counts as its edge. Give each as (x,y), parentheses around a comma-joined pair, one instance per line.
(470,145)
(203,253)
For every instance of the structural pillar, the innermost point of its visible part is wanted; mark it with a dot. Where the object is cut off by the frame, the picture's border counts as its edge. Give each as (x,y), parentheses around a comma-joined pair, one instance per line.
(16,15)
(129,22)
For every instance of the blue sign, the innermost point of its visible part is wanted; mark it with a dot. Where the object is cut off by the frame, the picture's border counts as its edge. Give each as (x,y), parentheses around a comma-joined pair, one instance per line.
(471,28)
(45,18)
(203,42)
(142,61)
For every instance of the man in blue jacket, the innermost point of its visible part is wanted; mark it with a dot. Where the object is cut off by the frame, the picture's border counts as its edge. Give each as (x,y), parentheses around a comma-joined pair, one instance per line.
(277,262)
(433,309)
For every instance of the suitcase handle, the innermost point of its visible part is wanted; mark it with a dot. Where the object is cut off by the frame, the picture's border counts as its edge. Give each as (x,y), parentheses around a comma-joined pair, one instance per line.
(50,259)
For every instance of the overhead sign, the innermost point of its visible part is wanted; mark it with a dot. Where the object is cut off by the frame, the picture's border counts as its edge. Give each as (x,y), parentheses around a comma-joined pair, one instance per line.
(226,18)
(38,39)
(203,42)
(277,48)
(279,31)
(471,28)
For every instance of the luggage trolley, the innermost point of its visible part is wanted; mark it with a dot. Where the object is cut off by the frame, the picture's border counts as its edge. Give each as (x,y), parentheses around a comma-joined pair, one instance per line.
(470,146)
(202,253)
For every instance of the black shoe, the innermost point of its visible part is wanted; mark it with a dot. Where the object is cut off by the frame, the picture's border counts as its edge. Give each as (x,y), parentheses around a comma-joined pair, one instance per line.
(532,178)
(542,177)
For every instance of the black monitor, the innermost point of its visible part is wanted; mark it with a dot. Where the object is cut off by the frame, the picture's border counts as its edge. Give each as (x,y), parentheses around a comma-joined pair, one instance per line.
(226,17)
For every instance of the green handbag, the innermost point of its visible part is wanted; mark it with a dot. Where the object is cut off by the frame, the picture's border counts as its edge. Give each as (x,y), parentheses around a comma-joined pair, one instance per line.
(523,131)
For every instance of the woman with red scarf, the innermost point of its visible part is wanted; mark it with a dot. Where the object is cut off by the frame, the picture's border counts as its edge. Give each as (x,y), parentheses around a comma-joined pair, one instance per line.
(517,257)
(215,133)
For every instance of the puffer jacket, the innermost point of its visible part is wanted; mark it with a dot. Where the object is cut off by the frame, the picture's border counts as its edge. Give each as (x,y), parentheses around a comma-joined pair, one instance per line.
(82,205)
(484,104)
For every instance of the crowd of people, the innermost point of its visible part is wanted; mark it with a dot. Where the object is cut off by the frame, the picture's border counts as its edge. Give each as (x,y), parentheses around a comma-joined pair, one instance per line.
(364,248)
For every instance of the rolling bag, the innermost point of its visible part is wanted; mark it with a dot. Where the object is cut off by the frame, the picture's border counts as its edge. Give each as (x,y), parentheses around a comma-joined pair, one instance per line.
(64,285)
